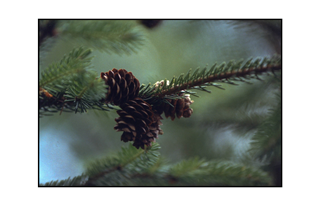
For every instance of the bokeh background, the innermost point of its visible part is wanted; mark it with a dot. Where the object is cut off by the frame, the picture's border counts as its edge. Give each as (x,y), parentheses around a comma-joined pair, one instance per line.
(223,122)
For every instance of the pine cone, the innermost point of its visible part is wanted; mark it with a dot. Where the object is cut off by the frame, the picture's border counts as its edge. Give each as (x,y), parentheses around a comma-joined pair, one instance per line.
(154,130)
(123,86)
(181,107)
(138,123)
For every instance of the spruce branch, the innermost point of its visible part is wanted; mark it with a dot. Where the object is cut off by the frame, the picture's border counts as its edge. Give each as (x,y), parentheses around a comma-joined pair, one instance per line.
(76,61)
(230,173)
(225,73)
(187,171)
(76,181)
(216,173)
(132,167)
(117,36)
(267,140)
(120,166)
(70,85)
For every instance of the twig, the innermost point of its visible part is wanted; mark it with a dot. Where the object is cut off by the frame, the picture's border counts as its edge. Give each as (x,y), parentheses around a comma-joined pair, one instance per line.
(216,77)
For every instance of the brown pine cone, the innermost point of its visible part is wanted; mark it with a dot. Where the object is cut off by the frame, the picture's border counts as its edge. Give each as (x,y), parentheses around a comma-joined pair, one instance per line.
(123,86)
(181,107)
(154,130)
(138,123)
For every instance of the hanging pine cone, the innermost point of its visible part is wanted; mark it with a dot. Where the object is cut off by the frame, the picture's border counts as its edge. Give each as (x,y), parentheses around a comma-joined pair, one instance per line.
(154,130)
(181,107)
(123,86)
(138,123)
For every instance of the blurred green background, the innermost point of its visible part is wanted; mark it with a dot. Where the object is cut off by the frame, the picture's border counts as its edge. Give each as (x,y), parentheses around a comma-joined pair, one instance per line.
(222,123)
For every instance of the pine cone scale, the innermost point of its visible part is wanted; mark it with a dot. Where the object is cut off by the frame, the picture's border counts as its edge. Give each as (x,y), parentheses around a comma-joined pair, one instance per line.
(129,118)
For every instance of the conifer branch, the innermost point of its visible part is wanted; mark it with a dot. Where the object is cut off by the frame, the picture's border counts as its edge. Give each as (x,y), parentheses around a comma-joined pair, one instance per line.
(187,167)
(70,85)
(132,167)
(76,181)
(76,61)
(115,36)
(121,165)
(267,140)
(216,173)
(226,73)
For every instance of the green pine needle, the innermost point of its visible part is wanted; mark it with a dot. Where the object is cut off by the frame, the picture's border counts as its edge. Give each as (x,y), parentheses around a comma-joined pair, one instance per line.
(267,141)
(116,36)
(70,65)
(76,181)
(226,73)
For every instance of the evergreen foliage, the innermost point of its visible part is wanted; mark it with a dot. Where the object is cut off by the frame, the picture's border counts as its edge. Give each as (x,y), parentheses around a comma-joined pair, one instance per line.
(109,36)
(267,140)
(137,167)
(59,73)
(72,86)
(119,169)
(199,80)
(76,181)
(217,173)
